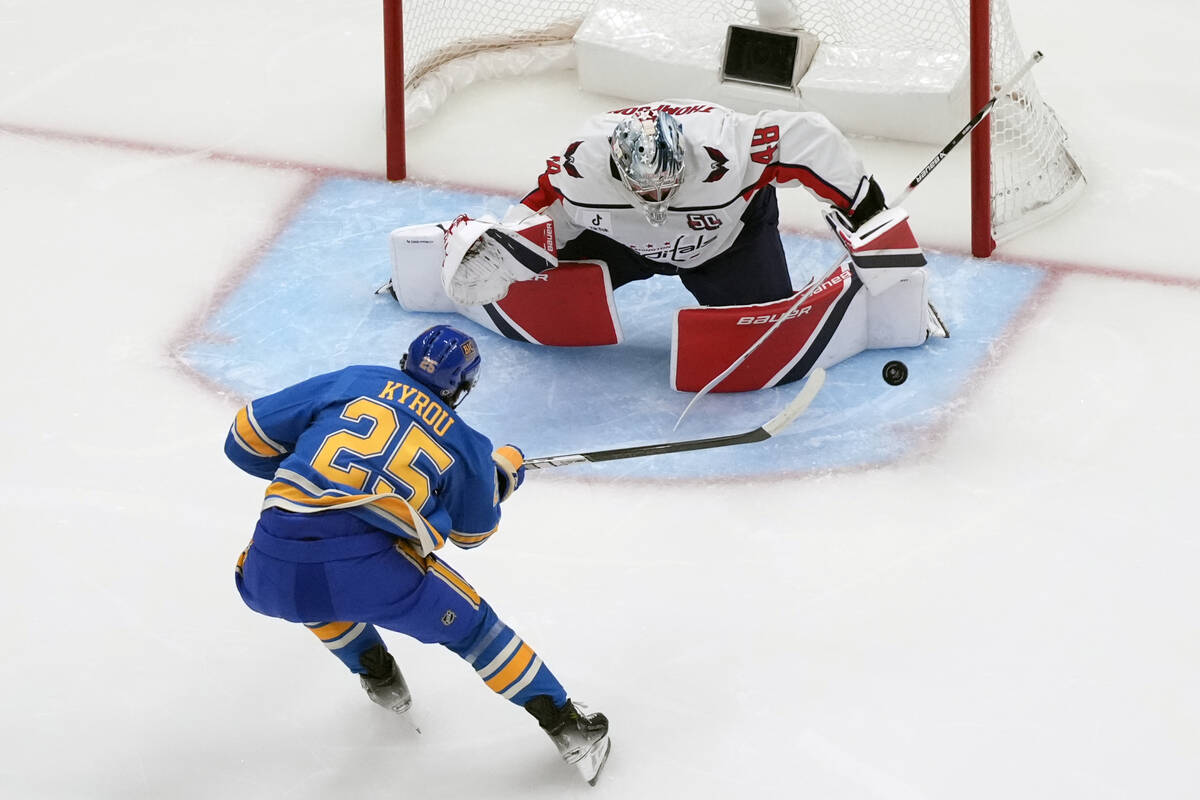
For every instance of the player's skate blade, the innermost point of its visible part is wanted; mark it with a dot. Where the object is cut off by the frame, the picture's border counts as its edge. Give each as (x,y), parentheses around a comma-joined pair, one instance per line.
(581,739)
(394,697)
(594,759)
(934,327)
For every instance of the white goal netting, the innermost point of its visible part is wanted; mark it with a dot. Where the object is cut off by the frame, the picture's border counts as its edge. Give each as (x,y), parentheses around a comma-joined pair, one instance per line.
(448,43)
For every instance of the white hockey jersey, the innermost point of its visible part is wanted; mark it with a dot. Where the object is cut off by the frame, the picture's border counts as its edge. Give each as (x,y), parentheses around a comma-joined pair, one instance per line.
(728,158)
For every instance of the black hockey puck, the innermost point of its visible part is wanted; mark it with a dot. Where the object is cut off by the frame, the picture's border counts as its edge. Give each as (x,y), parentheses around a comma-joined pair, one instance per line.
(895,373)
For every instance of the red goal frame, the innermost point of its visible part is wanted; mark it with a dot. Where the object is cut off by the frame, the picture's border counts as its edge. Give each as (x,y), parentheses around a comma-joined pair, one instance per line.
(981,87)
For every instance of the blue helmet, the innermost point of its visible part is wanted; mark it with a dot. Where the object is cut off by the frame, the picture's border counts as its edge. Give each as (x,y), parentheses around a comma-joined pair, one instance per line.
(446,360)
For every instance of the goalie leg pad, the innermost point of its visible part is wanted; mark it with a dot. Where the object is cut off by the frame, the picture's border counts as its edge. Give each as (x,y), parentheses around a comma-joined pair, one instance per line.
(417,254)
(568,306)
(706,340)
(837,321)
(899,316)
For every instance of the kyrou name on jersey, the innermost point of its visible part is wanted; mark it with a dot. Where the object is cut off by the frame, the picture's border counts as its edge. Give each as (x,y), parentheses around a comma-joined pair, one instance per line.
(420,404)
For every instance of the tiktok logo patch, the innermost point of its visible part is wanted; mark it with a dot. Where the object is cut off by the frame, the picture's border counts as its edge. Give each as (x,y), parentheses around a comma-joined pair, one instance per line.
(599,221)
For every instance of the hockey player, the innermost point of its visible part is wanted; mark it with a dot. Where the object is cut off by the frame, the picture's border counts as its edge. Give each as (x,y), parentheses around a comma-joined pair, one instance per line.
(687,188)
(372,471)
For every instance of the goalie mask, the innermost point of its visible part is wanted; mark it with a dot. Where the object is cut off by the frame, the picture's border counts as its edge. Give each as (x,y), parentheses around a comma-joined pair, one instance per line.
(446,360)
(648,151)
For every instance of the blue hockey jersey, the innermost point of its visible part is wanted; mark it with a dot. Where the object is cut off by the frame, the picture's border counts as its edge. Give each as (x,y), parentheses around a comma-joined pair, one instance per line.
(373,441)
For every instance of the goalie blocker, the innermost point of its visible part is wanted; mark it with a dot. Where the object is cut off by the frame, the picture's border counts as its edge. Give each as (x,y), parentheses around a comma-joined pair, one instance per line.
(883,248)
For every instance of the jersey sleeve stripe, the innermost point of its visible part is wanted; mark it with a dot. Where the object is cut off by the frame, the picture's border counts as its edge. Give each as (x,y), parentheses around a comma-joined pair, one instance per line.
(509,457)
(542,196)
(250,436)
(778,173)
(469,540)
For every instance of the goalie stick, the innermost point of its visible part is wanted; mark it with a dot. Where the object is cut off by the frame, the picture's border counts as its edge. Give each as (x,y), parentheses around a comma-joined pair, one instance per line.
(980,115)
(816,379)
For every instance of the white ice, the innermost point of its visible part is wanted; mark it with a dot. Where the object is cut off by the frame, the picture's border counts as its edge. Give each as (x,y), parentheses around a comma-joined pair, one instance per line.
(1009,613)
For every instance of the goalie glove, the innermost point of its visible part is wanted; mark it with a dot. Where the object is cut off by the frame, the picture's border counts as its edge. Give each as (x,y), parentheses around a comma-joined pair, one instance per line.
(510,470)
(484,257)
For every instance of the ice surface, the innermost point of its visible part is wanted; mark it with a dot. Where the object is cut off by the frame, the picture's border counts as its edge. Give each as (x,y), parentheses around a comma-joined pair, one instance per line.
(989,593)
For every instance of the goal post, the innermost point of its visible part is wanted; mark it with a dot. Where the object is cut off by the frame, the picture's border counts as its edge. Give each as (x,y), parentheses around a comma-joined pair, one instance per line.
(983,241)
(393,88)
(875,61)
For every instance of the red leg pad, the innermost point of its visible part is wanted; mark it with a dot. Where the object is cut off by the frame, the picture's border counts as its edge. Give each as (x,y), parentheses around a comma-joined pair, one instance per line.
(708,339)
(570,305)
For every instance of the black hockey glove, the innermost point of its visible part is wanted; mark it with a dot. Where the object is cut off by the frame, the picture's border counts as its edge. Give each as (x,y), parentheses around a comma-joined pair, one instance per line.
(867,203)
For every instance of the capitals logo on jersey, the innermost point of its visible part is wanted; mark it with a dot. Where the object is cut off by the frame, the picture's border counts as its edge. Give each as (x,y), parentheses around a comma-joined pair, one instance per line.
(719,161)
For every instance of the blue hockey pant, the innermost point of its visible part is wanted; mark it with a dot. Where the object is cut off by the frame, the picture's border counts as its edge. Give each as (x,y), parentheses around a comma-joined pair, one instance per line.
(342,579)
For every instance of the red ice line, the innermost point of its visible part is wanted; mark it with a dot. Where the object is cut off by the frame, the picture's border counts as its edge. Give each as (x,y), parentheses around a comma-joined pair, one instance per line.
(925,441)
(324,171)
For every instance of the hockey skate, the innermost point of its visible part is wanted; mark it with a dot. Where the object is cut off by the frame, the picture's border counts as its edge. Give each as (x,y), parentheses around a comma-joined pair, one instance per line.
(388,288)
(383,682)
(581,739)
(934,327)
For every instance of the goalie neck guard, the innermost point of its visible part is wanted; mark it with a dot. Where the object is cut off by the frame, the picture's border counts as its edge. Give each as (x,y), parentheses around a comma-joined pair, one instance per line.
(446,360)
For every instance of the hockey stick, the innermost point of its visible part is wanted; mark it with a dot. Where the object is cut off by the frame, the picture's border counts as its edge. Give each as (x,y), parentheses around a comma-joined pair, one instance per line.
(795,408)
(973,123)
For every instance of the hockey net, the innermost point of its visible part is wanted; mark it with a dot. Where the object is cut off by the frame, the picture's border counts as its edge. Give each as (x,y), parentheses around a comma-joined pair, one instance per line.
(447,44)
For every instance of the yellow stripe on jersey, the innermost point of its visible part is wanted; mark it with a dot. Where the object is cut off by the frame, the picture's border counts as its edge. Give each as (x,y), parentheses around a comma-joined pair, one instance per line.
(241,562)
(405,548)
(251,437)
(296,493)
(316,501)
(469,540)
